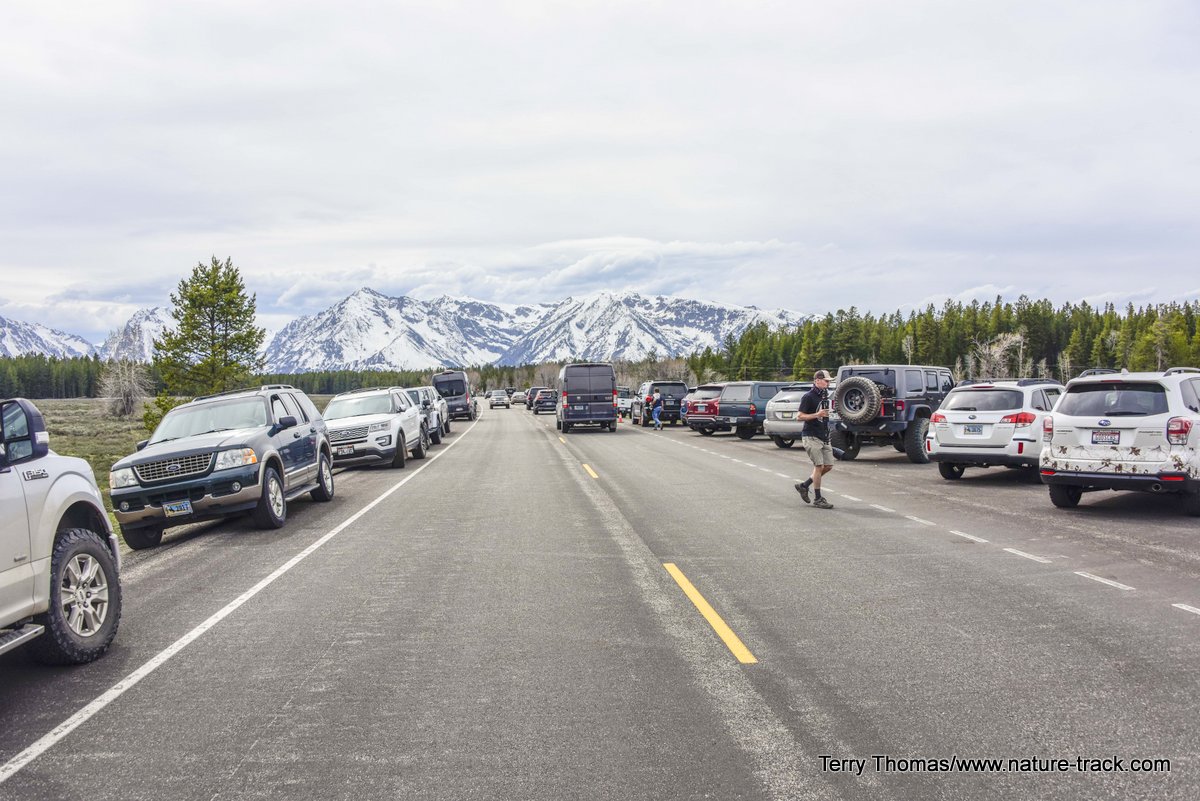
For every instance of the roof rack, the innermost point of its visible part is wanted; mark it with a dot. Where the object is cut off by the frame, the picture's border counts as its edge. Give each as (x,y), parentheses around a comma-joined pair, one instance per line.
(1177,370)
(227,392)
(362,389)
(1097,371)
(276,386)
(1029,382)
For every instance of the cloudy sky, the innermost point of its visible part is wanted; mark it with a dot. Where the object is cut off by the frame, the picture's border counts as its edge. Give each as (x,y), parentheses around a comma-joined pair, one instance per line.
(803,154)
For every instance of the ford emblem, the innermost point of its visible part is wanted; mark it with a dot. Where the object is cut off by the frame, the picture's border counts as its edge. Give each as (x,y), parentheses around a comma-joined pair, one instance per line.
(173,467)
(970,417)
(1106,423)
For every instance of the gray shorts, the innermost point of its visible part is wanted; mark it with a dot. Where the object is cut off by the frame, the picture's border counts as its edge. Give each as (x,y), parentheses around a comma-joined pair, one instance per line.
(819,451)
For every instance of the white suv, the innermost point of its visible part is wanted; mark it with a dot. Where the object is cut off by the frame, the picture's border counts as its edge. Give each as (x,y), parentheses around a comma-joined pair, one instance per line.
(990,423)
(376,424)
(1125,431)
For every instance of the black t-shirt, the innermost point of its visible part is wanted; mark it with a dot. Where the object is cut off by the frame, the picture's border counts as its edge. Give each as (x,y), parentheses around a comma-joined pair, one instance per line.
(810,404)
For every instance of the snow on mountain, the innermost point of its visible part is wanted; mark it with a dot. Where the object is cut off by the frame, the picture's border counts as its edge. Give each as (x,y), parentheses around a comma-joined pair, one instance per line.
(18,339)
(135,340)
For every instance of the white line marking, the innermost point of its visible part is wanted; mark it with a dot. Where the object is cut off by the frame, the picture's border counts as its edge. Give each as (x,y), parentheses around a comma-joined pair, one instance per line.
(920,520)
(765,469)
(1109,582)
(850,497)
(968,536)
(749,465)
(739,461)
(882,508)
(781,475)
(60,731)
(1041,559)
(1187,608)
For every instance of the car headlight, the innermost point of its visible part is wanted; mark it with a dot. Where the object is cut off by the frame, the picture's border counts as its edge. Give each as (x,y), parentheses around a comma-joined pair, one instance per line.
(379,427)
(238,457)
(123,477)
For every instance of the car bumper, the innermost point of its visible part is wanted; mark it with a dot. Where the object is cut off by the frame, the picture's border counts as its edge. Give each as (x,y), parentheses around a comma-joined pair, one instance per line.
(1144,482)
(364,453)
(1018,453)
(210,496)
(784,428)
(705,421)
(885,428)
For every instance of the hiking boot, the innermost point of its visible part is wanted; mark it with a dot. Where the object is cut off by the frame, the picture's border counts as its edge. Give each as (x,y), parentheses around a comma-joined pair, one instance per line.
(803,490)
(821,503)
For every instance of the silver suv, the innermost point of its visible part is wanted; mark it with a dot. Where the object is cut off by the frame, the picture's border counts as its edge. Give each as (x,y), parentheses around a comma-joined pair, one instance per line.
(1125,431)
(376,424)
(990,423)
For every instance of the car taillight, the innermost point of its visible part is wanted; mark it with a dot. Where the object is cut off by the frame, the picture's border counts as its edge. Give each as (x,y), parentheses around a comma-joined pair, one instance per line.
(753,410)
(938,417)
(899,406)
(1047,428)
(1020,419)
(1178,429)
(614,399)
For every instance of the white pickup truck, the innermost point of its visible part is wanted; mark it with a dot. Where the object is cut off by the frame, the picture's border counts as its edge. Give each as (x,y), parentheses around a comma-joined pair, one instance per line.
(60,585)
(624,401)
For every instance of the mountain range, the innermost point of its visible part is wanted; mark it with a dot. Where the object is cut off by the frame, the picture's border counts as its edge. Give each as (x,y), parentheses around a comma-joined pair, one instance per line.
(369,330)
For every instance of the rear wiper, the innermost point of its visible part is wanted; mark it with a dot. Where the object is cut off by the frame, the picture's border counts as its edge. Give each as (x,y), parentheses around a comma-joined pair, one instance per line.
(963,409)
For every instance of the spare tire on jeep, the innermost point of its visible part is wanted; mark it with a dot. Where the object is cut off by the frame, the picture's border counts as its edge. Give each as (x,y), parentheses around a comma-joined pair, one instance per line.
(858,399)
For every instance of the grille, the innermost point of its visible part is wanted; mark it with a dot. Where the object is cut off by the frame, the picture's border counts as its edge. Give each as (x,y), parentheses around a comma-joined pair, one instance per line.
(343,434)
(183,466)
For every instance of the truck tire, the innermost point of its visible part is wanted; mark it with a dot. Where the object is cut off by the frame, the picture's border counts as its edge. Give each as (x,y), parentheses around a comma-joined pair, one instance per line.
(141,538)
(271,511)
(951,471)
(1065,496)
(446,427)
(848,443)
(85,601)
(557,424)
(422,444)
(858,400)
(914,440)
(324,490)
(745,433)
(780,442)
(707,432)
(401,451)
(899,446)
(435,436)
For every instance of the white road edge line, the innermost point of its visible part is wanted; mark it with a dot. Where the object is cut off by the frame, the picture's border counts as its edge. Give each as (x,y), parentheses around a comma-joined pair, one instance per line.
(1109,582)
(882,508)
(60,731)
(920,520)
(968,536)
(1187,608)
(1041,559)
(850,497)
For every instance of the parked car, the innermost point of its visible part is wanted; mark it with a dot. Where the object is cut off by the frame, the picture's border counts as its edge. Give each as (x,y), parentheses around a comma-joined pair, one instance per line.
(743,406)
(433,406)
(683,405)
(518,397)
(624,401)
(1125,431)
(545,401)
(990,423)
(375,424)
(886,404)
(530,394)
(779,422)
(703,409)
(452,386)
(248,450)
(589,396)
(499,397)
(60,566)
(672,392)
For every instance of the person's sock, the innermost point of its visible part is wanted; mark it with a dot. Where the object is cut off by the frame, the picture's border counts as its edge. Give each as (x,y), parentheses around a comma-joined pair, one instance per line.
(818,493)
(808,482)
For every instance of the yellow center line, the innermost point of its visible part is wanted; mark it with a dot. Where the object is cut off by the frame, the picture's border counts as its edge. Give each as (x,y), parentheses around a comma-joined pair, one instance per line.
(590,471)
(563,441)
(723,631)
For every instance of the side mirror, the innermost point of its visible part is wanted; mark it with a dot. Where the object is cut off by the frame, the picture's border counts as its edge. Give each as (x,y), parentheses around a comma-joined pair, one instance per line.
(287,421)
(143,444)
(424,404)
(24,429)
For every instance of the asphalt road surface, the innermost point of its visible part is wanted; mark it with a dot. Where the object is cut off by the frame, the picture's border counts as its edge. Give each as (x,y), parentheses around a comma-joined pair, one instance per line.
(638,615)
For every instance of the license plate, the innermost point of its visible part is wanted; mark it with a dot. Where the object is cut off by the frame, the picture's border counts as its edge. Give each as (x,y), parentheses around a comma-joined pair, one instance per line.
(580,407)
(177,508)
(702,408)
(1106,437)
(786,415)
(671,403)
(345,450)
(973,428)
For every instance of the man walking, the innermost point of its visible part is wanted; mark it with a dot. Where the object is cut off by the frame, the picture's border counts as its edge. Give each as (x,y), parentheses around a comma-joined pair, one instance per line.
(657,410)
(814,411)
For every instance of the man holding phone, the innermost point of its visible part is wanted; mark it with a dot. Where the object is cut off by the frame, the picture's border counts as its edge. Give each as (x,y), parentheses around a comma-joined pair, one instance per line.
(814,411)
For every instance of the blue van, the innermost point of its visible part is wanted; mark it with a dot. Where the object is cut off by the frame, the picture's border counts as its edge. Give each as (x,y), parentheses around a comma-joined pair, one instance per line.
(589,396)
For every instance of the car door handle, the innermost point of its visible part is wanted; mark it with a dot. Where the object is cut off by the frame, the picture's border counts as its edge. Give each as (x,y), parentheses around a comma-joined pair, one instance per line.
(312,430)
(296,435)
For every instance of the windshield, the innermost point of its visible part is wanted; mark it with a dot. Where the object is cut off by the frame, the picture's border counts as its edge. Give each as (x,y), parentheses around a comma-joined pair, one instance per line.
(1114,399)
(355,406)
(449,389)
(982,400)
(201,418)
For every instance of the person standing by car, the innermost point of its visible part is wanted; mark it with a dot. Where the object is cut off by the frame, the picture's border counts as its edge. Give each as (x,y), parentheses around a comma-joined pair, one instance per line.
(656,410)
(814,411)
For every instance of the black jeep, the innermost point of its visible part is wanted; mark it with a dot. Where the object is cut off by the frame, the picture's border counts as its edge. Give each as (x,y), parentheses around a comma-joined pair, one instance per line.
(887,404)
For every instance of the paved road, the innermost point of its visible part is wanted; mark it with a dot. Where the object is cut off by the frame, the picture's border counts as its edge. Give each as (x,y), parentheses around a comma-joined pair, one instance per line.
(500,622)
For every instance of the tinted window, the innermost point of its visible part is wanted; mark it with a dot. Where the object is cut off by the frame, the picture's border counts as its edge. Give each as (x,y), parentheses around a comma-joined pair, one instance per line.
(766,391)
(931,381)
(1039,401)
(736,393)
(672,390)
(1116,399)
(401,400)
(450,388)
(982,400)
(1052,395)
(415,394)
(1191,394)
(706,393)
(912,380)
(307,405)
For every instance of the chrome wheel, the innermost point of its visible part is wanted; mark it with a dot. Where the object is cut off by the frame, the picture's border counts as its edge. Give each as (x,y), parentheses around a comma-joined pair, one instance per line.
(84,595)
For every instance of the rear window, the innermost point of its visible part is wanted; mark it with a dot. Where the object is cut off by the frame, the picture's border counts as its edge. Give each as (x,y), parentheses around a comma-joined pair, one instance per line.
(706,393)
(887,377)
(983,400)
(1117,399)
(767,391)
(737,393)
(450,387)
(671,390)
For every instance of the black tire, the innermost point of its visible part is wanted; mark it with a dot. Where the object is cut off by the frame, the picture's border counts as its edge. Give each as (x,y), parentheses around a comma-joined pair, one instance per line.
(612,426)
(141,538)
(446,427)
(914,440)
(99,593)
(1065,496)
(271,511)
(557,424)
(899,446)
(324,490)
(535,411)
(643,421)
(566,427)
(858,400)
(848,443)
(401,451)
(435,436)
(745,433)
(673,422)
(951,471)
(706,432)
(781,442)
(422,444)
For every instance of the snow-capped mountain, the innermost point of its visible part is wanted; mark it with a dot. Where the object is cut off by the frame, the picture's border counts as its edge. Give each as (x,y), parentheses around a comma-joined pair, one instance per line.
(18,339)
(135,340)
(372,331)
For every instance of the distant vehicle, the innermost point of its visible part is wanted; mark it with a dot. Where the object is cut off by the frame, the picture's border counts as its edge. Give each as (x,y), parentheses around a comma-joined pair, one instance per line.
(545,401)
(376,424)
(703,409)
(530,394)
(60,582)
(990,423)
(624,401)
(518,397)
(672,393)
(743,406)
(509,391)
(433,406)
(499,397)
(886,404)
(589,396)
(780,423)
(452,385)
